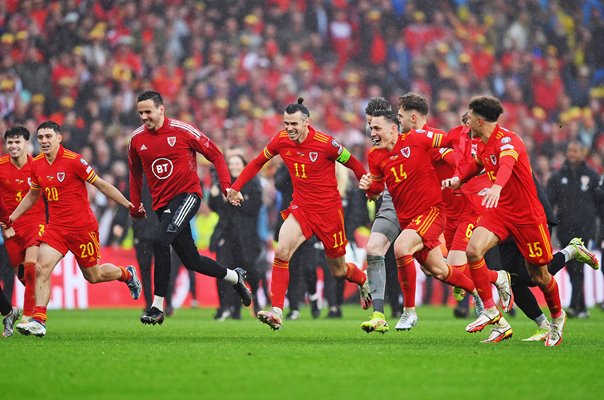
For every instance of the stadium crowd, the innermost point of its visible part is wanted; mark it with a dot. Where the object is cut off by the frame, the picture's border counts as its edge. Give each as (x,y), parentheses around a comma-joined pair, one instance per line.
(229,67)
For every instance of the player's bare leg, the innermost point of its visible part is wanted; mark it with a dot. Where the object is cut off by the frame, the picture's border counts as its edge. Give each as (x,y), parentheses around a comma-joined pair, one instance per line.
(48,258)
(108,272)
(290,238)
(339,268)
(406,244)
(458,259)
(481,241)
(548,285)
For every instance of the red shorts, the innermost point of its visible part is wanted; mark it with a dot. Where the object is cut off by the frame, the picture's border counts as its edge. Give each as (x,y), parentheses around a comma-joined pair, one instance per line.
(533,239)
(459,232)
(327,226)
(25,237)
(84,244)
(428,224)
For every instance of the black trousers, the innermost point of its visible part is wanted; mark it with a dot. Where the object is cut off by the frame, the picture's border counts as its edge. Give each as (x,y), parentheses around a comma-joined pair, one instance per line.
(232,254)
(302,269)
(175,229)
(7,273)
(144,257)
(513,261)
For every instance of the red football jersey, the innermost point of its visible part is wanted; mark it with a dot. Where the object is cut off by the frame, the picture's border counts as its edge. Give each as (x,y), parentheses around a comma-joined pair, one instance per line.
(444,162)
(408,172)
(168,157)
(63,183)
(311,165)
(518,200)
(468,202)
(14,185)
(4,214)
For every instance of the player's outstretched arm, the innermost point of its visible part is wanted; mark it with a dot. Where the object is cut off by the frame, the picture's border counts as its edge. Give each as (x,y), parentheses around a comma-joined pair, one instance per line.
(111,192)
(28,201)
(351,162)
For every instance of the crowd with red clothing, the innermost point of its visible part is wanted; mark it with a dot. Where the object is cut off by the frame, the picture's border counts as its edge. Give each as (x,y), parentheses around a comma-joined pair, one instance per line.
(228,68)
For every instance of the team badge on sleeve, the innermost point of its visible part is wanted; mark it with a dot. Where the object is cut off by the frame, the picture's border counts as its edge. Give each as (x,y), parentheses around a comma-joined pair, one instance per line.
(172,141)
(83,161)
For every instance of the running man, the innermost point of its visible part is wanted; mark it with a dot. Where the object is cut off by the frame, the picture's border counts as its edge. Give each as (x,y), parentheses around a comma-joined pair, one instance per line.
(316,208)
(61,175)
(165,150)
(22,249)
(402,162)
(512,209)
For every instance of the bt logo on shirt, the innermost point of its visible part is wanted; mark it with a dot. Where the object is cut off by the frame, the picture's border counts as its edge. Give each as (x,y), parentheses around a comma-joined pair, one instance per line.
(162,168)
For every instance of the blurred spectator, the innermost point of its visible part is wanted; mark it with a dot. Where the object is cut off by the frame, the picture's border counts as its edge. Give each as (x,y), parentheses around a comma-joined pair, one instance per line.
(235,240)
(572,191)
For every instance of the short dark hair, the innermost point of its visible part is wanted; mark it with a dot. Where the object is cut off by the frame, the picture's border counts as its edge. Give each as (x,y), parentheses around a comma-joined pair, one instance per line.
(377,104)
(488,107)
(17,131)
(464,118)
(150,95)
(414,101)
(295,107)
(388,116)
(50,125)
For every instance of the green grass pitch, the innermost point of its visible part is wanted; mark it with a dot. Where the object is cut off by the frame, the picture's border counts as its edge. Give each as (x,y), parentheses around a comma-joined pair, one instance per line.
(109,354)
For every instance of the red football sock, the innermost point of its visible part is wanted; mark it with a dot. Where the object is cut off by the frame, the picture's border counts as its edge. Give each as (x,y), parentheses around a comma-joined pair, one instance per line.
(29,299)
(279,282)
(39,314)
(480,277)
(464,269)
(407,276)
(552,297)
(492,275)
(355,275)
(457,278)
(126,275)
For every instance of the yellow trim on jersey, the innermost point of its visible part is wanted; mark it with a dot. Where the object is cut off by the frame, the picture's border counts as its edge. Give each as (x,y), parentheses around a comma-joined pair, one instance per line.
(438,138)
(70,156)
(39,156)
(267,154)
(499,135)
(445,152)
(92,177)
(321,137)
(283,134)
(511,153)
